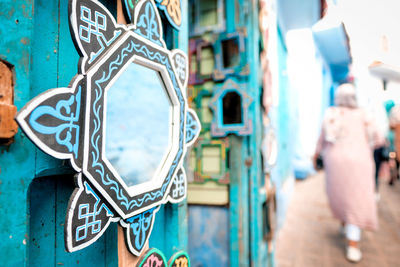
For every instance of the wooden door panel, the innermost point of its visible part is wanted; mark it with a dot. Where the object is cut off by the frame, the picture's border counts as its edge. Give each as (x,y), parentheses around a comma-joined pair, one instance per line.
(49,198)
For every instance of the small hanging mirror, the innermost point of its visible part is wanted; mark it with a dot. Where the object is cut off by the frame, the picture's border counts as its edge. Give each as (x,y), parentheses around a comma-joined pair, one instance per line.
(230,54)
(230,105)
(212,160)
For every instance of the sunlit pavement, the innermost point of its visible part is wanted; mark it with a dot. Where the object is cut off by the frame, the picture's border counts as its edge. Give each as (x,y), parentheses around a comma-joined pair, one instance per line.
(310,235)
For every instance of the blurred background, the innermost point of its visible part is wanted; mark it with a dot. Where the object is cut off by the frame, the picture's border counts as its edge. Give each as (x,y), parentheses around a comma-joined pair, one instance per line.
(263,78)
(298,56)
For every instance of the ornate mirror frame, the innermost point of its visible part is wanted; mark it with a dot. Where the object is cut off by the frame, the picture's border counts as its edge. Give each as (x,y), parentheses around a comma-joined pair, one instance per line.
(223,176)
(242,68)
(198,100)
(218,128)
(197,29)
(69,123)
(195,58)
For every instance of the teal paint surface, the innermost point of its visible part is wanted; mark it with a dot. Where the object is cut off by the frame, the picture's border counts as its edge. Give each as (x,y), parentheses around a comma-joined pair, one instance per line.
(39,47)
(170,230)
(283,120)
(258,247)
(238,206)
(42,221)
(46,72)
(247,247)
(54,53)
(17,161)
(283,113)
(229,15)
(48,198)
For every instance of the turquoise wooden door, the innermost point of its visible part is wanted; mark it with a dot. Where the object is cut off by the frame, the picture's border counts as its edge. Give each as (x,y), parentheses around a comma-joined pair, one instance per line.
(48,200)
(35,188)
(54,61)
(225,199)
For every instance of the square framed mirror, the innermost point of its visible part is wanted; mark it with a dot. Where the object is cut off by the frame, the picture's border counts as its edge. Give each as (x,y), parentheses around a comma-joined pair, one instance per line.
(230,54)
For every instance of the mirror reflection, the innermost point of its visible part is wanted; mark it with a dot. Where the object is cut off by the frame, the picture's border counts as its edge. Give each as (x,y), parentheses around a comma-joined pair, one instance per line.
(136,146)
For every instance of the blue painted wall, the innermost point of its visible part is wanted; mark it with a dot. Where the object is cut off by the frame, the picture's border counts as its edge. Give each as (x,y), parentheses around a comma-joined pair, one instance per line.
(39,47)
(17,161)
(283,118)
(33,195)
(246,245)
(170,230)
(209,233)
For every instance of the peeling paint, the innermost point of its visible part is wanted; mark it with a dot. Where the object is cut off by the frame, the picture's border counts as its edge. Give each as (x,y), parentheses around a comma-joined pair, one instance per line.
(10,13)
(25,11)
(24,61)
(25,41)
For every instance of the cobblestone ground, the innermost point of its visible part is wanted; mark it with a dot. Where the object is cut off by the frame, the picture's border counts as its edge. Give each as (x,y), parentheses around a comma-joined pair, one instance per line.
(310,236)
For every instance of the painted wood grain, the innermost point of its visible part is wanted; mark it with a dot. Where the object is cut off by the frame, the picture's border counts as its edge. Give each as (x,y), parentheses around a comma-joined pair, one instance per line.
(41,51)
(17,160)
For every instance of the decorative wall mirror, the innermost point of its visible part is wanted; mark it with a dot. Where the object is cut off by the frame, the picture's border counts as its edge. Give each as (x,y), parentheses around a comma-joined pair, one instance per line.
(206,60)
(230,105)
(230,54)
(193,68)
(123,123)
(203,100)
(207,16)
(211,160)
(202,61)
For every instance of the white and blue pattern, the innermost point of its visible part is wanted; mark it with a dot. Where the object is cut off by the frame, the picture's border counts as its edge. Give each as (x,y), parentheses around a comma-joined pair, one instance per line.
(147,25)
(140,225)
(180,63)
(68,126)
(192,127)
(91,223)
(95,27)
(179,189)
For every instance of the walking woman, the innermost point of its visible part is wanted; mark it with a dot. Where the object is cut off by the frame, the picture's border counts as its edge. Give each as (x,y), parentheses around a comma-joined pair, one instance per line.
(346,144)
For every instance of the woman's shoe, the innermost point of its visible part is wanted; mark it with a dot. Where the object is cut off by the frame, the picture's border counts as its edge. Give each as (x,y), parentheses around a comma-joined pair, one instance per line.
(353,254)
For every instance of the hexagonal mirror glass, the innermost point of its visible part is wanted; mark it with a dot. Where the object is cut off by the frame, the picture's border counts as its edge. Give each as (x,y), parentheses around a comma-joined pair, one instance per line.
(138,122)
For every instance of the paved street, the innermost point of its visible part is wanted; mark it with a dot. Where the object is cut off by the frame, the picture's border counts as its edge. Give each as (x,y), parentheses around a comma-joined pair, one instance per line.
(310,235)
